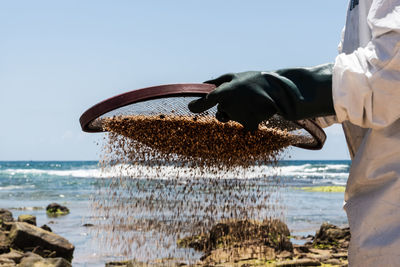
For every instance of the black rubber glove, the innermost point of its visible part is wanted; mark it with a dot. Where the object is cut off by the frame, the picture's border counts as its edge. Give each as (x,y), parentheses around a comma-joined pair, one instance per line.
(252,97)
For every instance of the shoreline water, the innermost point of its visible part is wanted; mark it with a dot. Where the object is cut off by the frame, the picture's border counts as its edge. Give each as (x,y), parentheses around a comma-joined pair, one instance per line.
(37,183)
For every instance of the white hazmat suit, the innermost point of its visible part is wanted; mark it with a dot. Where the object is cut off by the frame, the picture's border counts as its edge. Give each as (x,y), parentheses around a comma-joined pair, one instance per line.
(366,95)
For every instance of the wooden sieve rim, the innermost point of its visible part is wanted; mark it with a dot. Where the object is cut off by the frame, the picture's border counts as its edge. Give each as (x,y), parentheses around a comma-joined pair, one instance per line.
(171,90)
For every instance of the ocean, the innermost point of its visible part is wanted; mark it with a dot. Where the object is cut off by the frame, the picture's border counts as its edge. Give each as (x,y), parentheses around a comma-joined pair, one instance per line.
(27,187)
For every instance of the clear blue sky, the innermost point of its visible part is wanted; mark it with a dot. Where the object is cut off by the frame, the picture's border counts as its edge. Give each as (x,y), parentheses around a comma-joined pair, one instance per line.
(58,58)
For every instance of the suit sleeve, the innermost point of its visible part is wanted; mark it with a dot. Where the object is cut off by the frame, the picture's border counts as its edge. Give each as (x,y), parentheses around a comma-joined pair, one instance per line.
(366,83)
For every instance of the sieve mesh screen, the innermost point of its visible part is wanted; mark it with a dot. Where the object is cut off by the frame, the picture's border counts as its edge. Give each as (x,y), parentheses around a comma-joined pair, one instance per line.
(177,106)
(174,100)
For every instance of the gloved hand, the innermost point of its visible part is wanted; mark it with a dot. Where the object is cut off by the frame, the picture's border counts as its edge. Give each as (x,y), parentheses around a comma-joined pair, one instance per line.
(252,97)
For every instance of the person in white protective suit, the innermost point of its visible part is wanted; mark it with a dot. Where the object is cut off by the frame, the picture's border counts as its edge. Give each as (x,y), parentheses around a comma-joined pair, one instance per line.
(361,90)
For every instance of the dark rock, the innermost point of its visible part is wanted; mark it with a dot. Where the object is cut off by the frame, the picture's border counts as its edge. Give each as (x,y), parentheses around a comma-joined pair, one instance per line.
(4,262)
(298,262)
(4,243)
(345,244)
(270,233)
(32,259)
(14,255)
(88,225)
(342,255)
(27,218)
(45,227)
(333,262)
(302,249)
(55,209)
(284,255)
(118,264)
(32,255)
(238,254)
(197,242)
(31,238)
(331,236)
(6,226)
(320,255)
(5,216)
(276,235)
(134,264)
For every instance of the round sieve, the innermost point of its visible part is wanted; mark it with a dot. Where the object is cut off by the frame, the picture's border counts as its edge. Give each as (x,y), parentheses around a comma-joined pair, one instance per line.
(173,99)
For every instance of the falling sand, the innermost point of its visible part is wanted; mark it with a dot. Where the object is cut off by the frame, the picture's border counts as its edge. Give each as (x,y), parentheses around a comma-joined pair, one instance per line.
(175,176)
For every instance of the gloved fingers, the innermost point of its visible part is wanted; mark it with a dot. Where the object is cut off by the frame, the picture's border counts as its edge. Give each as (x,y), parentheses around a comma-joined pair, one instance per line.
(221,115)
(250,125)
(202,104)
(207,102)
(222,79)
(210,100)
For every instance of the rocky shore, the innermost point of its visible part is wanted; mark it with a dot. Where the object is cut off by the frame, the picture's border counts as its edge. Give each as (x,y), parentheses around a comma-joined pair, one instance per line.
(241,243)
(24,244)
(268,243)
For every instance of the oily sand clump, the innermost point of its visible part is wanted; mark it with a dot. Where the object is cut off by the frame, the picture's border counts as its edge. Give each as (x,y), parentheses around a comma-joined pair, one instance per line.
(175,176)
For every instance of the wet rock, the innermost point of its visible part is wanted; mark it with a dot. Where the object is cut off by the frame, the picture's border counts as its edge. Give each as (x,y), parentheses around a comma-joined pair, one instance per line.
(32,259)
(28,237)
(318,257)
(284,255)
(4,243)
(276,235)
(5,216)
(32,255)
(27,218)
(197,242)
(46,227)
(341,255)
(329,236)
(117,263)
(298,262)
(270,233)
(7,263)
(333,262)
(14,255)
(5,227)
(301,249)
(237,254)
(55,210)
(344,244)
(237,243)
(122,264)
(319,251)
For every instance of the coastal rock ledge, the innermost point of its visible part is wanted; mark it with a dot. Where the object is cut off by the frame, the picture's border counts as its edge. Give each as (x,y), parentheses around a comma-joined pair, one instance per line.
(26,237)
(23,244)
(246,243)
